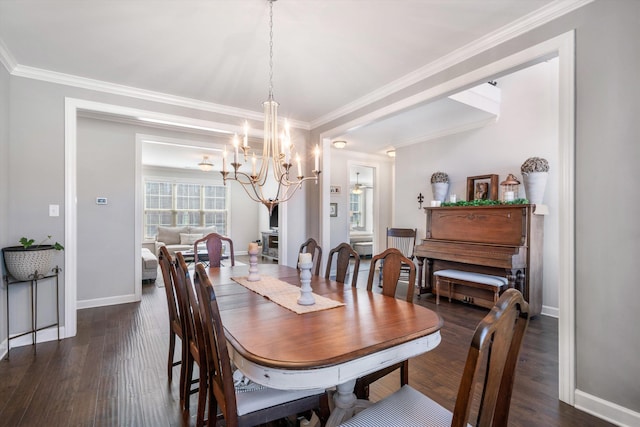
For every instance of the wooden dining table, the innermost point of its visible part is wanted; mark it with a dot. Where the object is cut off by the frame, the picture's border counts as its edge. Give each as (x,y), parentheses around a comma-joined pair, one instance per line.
(275,347)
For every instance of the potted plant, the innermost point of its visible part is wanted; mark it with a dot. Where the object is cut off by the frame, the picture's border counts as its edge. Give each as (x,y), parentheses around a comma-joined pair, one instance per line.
(439,185)
(28,260)
(534,176)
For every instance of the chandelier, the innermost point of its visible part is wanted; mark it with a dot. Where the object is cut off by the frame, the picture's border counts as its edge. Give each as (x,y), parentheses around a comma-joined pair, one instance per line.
(277,154)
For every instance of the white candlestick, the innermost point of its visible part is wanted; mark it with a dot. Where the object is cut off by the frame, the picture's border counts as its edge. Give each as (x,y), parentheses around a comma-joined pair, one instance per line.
(235,148)
(224,159)
(306,295)
(317,153)
(305,258)
(253,262)
(299,165)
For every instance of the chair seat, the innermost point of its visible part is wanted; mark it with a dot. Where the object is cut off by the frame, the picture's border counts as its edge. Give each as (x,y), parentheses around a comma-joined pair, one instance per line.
(406,407)
(255,400)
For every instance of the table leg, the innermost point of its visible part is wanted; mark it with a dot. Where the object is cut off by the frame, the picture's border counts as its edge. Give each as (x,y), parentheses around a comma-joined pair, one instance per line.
(345,404)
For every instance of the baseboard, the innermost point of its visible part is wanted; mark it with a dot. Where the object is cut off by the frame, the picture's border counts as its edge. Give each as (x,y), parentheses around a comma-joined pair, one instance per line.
(49,334)
(608,411)
(101,302)
(550,311)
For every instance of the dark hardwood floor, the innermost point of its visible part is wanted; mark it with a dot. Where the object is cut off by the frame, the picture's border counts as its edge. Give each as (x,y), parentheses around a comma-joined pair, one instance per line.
(113,373)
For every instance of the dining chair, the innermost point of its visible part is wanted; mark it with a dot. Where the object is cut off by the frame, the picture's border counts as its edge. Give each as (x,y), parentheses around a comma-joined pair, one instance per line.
(403,239)
(344,254)
(392,261)
(167,266)
(243,405)
(312,247)
(488,377)
(215,244)
(194,340)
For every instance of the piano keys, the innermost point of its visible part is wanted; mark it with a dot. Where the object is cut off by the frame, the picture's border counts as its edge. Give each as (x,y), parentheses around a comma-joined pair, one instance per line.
(502,240)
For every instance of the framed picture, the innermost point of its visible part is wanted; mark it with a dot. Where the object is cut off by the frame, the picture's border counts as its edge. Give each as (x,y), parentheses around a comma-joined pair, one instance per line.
(482,187)
(333,209)
(335,189)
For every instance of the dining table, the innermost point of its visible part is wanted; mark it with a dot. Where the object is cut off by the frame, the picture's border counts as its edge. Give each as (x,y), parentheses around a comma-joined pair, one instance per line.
(361,332)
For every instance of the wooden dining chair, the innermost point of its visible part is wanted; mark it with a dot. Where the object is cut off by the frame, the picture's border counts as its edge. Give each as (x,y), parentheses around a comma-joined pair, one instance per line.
(255,404)
(312,247)
(488,377)
(194,340)
(215,244)
(167,266)
(403,239)
(392,261)
(344,254)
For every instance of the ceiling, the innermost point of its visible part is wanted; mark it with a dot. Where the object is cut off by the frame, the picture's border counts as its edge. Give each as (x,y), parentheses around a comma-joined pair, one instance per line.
(330,56)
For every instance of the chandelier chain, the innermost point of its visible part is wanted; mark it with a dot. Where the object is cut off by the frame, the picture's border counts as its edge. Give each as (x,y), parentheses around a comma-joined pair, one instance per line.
(271,49)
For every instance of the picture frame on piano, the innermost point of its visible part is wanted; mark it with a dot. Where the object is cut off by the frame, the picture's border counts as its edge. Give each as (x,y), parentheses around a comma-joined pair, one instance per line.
(482,187)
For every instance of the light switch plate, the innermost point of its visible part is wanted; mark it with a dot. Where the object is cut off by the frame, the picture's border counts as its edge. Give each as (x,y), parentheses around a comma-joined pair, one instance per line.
(54,210)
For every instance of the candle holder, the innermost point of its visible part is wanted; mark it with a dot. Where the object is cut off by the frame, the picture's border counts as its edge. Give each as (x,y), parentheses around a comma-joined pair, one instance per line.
(306,297)
(253,265)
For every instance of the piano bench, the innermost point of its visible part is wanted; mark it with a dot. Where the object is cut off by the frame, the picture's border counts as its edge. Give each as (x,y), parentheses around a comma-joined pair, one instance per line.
(458,282)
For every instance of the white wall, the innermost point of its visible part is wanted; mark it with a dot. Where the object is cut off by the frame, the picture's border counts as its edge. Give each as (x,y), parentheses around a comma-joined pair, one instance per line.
(528,126)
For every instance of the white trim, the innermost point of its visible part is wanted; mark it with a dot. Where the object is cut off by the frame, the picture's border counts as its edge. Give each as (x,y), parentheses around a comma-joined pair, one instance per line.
(563,46)
(606,410)
(550,311)
(132,92)
(102,302)
(6,58)
(523,25)
(137,239)
(44,335)
(70,216)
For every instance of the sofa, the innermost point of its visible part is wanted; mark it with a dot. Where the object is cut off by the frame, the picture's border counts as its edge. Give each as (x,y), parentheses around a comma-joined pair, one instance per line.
(149,266)
(362,243)
(180,238)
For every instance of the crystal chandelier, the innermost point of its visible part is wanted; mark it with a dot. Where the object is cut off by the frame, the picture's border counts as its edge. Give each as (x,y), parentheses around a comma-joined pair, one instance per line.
(277,157)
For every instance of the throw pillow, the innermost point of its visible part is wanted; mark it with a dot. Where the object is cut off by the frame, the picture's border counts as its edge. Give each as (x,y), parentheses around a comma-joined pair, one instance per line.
(189,239)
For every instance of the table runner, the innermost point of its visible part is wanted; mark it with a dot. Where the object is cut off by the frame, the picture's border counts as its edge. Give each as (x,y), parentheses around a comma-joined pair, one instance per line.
(285,294)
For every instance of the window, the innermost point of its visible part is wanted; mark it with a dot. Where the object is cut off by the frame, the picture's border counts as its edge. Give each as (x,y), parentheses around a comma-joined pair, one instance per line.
(181,203)
(355,211)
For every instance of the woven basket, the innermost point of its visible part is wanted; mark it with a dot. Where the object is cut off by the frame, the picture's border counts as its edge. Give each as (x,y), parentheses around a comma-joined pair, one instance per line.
(23,264)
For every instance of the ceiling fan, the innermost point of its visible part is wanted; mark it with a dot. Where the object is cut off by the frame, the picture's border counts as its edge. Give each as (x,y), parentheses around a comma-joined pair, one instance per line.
(357,189)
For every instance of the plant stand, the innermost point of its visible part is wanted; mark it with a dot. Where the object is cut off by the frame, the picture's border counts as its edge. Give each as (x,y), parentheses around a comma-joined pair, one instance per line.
(10,281)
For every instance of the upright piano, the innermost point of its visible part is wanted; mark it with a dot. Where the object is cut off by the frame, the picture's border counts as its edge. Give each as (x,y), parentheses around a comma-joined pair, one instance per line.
(502,240)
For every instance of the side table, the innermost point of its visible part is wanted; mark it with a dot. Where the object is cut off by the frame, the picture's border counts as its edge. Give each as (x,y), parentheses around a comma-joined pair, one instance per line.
(8,280)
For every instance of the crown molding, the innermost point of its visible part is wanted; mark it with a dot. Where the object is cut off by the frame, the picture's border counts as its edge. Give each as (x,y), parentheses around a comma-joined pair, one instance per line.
(523,25)
(133,92)
(7,58)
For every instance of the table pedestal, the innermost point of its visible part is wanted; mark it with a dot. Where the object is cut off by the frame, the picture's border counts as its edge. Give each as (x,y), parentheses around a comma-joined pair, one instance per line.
(344,404)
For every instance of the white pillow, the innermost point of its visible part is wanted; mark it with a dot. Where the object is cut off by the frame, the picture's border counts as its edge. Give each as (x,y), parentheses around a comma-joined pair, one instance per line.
(189,239)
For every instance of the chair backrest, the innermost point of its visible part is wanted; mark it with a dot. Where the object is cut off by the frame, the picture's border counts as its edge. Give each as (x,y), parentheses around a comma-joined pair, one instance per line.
(496,343)
(344,253)
(403,239)
(312,247)
(215,243)
(191,321)
(167,266)
(218,361)
(392,261)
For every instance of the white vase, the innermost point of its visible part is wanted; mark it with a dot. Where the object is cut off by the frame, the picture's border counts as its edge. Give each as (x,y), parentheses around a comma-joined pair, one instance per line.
(534,185)
(439,190)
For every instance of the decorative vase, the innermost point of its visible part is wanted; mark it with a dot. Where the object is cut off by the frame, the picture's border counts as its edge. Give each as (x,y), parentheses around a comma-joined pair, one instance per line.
(24,264)
(440,190)
(534,185)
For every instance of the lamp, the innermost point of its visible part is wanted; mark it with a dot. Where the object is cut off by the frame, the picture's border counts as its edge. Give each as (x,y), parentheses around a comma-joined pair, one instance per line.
(357,189)
(391,153)
(340,144)
(205,165)
(276,158)
(509,188)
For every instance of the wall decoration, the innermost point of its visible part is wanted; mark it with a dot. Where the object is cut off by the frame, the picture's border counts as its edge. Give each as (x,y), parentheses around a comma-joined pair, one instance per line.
(335,189)
(482,187)
(333,209)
